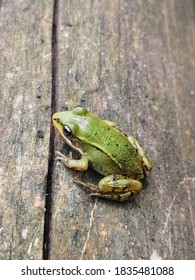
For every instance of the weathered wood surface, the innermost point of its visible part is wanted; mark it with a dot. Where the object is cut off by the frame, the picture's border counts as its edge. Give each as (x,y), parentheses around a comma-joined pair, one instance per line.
(25,74)
(129,61)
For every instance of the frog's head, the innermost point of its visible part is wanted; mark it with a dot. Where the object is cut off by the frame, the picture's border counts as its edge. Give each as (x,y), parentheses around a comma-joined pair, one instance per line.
(69,123)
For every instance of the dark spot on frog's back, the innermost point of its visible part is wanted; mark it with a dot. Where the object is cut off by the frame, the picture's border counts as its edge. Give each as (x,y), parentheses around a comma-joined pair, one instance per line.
(122,160)
(114,155)
(114,178)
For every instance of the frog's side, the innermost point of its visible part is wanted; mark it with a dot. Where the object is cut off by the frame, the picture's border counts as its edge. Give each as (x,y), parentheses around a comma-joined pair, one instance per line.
(118,157)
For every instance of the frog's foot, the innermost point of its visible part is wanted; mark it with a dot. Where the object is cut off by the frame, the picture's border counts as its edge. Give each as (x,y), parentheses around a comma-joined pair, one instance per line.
(77,164)
(145,159)
(118,197)
(95,192)
(114,187)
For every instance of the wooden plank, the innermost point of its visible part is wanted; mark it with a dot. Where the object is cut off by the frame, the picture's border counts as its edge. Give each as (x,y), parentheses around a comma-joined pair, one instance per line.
(25,70)
(125,64)
(131,62)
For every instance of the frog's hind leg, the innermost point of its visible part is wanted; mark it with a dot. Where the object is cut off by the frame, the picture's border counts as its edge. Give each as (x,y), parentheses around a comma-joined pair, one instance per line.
(146,161)
(114,187)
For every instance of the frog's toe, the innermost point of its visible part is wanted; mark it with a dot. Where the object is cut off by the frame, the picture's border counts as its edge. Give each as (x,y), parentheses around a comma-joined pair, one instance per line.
(116,197)
(58,153)
(89,186)
(61,157)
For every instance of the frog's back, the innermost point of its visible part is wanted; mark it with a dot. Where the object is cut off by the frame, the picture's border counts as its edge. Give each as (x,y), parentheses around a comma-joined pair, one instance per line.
(112,147)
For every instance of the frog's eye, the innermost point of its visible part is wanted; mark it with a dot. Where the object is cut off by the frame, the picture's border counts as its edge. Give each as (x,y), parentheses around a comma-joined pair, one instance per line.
(67,131)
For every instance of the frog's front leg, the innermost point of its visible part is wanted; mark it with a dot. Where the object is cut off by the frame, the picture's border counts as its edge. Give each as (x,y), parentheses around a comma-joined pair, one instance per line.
(77,164)
(115,187)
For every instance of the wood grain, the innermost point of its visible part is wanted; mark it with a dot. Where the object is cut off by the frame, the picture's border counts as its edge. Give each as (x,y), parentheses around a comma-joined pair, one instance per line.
(132,62)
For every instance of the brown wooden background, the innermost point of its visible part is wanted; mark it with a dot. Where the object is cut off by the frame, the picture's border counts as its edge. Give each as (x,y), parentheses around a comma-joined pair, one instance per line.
(129,61)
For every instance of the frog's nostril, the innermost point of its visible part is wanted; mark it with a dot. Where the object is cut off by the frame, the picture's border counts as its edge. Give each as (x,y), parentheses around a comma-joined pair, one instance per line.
(57,120)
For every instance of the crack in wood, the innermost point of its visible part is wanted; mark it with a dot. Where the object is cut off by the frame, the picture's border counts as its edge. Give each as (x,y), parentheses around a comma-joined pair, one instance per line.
(47,237)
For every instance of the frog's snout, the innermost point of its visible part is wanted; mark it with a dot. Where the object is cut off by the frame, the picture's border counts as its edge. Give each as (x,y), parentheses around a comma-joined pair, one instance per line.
(55,118)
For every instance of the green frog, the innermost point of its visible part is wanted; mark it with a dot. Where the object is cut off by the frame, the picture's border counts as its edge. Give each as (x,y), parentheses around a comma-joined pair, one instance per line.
(121,159)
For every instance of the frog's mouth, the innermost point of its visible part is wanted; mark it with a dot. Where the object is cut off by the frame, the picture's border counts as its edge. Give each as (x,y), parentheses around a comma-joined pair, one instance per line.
(74,143)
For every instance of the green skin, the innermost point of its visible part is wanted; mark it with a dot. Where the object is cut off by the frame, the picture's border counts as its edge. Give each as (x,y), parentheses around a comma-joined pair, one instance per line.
(119,158)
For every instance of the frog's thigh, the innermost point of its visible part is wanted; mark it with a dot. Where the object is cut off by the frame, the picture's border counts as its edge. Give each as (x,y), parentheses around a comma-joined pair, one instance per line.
(77,164)
(146,162)
(118,184)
